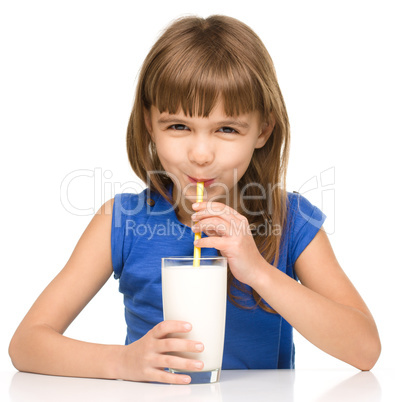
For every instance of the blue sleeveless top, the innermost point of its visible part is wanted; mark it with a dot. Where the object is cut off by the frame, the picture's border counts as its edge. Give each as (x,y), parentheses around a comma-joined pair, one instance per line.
(145,228)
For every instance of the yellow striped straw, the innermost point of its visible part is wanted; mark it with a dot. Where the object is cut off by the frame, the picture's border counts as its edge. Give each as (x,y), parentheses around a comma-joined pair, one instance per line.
(196,250)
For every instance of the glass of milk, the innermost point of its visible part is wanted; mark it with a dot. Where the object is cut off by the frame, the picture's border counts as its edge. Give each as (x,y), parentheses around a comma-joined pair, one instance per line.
(197,294)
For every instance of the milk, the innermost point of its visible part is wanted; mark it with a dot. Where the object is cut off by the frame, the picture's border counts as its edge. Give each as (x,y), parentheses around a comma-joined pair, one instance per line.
(198,295)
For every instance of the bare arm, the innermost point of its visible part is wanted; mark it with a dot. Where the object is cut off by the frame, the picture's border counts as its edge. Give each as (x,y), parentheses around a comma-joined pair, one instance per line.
(325,308)
(39,345)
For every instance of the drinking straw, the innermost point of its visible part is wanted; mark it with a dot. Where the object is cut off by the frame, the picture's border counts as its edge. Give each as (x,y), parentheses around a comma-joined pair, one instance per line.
(196,250)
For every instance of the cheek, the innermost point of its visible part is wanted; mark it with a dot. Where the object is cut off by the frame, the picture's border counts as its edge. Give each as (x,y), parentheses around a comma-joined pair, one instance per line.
(239,157)
(166,153)
(236,161)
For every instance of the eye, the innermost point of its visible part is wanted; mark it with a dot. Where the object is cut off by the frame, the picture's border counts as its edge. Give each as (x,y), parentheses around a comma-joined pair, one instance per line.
(178,127)
(228,130)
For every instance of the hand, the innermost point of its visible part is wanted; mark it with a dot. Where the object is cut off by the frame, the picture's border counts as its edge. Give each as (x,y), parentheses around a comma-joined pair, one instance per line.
(229,232)
(145,359)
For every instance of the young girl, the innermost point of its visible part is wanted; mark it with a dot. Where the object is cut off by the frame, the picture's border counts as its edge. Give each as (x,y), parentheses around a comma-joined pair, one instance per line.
(207,108)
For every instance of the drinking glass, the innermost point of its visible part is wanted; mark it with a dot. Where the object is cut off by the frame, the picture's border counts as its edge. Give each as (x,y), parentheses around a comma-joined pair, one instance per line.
(197,294)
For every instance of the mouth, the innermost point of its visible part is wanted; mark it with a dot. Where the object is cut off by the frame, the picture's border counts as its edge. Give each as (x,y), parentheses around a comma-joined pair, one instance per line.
(207,182)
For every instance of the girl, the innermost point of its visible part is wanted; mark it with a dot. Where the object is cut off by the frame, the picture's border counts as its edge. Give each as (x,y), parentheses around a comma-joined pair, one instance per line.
(207,108)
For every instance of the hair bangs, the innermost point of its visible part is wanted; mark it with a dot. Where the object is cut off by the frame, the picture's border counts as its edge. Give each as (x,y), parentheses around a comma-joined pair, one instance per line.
(195,82)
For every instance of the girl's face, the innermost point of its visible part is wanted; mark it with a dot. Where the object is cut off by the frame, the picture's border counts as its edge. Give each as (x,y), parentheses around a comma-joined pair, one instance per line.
(216,149)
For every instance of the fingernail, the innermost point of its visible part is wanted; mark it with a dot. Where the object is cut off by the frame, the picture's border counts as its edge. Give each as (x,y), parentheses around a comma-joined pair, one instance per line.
(199,346)
(195,205)
(187,380)
(199,365)
(194,227)
(188,326)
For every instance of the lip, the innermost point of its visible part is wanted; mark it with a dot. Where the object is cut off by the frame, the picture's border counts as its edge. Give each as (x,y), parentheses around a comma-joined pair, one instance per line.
(207,182)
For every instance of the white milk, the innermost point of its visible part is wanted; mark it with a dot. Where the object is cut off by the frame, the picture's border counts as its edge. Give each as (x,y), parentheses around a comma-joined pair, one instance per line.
(198,296)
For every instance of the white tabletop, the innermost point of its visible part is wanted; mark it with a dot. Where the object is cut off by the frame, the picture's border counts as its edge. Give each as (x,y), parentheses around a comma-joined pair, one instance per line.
(235,386)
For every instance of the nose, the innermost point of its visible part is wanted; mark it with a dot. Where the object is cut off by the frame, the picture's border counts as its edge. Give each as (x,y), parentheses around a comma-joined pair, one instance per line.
(201,152)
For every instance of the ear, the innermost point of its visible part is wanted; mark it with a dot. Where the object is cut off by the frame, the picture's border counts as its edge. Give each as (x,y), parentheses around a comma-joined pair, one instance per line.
(267,128)
(148,121)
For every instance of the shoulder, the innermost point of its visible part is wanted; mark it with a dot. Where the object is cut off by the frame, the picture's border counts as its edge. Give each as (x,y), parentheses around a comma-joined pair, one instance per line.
(147,204)
(301,212)
(106,208)
(130,199)
(100,225)
(133,202)
(297,201)
(128,204)
(304,220)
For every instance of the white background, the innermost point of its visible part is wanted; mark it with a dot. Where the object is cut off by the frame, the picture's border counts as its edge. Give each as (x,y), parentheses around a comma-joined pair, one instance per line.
(67,76)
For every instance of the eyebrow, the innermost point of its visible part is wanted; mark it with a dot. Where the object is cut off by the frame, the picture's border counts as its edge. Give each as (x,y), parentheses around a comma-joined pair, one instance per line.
(223,123)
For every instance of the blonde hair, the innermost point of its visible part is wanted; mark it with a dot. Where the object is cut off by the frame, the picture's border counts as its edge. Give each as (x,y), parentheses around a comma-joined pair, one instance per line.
(193,64)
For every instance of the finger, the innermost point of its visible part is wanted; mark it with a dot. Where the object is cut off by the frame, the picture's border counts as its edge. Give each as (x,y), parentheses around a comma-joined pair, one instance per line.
(198,206)
(225,213)
(220,243)
(170,378)
(179,345)
(212,227)
(213,207)
(219,227)
(179,363)
(167,327)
